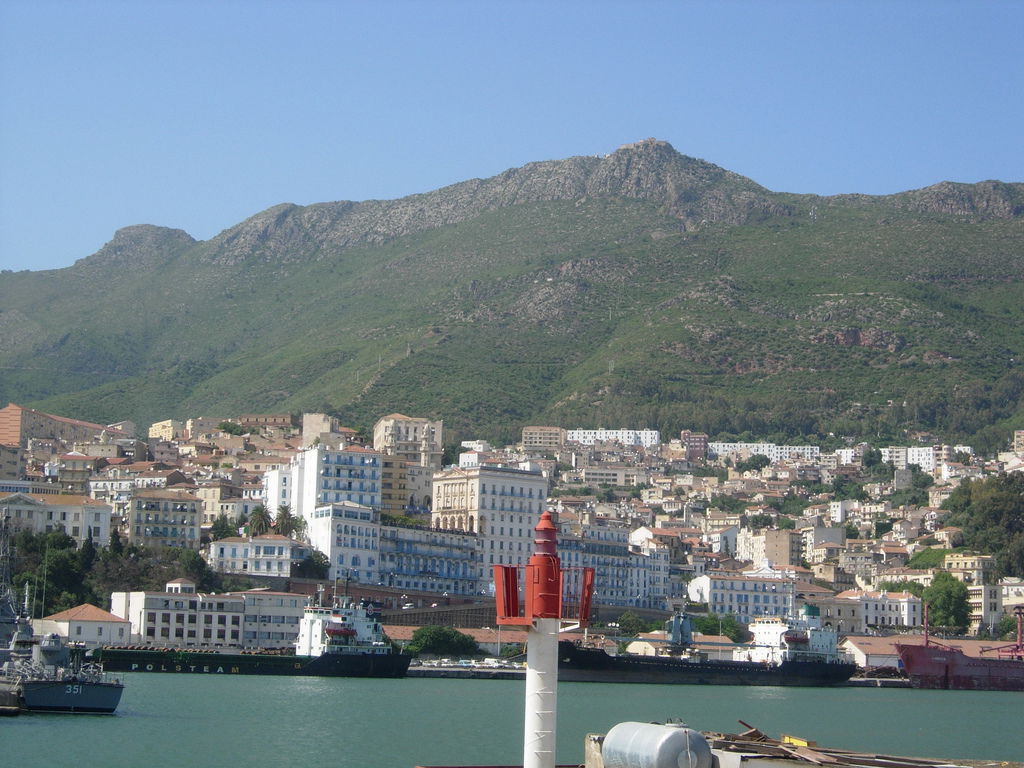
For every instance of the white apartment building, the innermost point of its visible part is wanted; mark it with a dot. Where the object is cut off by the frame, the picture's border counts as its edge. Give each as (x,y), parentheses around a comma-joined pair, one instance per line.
(984,594)
(349,534)
(648,438)
(753,595)
(926,457)
(271,619)
(619,475)
(180,616)
(321,475)
(814,536)
(726,541)
(771,450)
(625,574)
(430,560)
(885,610)
(839,510)
(500,504)
(78,516)
(267,555)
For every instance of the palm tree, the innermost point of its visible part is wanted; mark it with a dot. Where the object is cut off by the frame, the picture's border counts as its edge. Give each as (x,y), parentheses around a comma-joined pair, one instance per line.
(288,524)
(259,520)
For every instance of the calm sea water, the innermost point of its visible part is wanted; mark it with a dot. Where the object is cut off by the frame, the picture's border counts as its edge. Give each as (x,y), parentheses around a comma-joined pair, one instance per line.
(193,720)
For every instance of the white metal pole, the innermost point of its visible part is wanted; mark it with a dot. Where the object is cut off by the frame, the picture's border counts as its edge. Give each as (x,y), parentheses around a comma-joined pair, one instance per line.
(541,694)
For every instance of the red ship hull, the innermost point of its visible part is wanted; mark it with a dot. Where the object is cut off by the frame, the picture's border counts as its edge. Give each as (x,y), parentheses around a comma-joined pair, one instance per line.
(935,666)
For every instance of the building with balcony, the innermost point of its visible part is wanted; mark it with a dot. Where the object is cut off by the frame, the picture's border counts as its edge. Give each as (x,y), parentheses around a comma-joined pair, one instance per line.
(430,560)
(165,517)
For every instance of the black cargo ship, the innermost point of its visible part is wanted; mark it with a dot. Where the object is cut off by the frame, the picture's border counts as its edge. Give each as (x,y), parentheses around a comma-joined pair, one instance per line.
(217,663)
(592,665)
(797,651)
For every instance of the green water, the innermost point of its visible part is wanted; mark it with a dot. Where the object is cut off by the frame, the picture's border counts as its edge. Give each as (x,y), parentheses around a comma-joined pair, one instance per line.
(251,722)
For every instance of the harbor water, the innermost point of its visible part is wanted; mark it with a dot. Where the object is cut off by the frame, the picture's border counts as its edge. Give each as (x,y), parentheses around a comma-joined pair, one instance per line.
(257,722)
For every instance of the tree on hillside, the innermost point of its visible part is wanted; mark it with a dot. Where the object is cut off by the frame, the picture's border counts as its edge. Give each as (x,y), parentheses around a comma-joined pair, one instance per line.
(197,569)
(753,464)
(222,528)
(87,555)
(947,601)
(315,566)
(631,625)
(1006,629)
(259,521)
(231,428)
(442,641)
(726,625)
(759,521)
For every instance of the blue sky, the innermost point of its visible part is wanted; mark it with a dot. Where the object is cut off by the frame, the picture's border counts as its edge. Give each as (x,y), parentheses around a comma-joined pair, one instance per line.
(196,115)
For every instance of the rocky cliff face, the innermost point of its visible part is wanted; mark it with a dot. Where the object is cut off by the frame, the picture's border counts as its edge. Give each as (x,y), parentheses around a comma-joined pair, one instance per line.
(694,191)
(984,200)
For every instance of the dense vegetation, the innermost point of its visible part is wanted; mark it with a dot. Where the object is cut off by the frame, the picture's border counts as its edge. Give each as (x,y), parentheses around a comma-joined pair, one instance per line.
(645,288)
(60,576)
(442,641)
(991,514)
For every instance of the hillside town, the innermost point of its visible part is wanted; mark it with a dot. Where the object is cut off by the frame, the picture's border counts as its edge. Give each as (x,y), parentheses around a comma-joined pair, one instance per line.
(669,523)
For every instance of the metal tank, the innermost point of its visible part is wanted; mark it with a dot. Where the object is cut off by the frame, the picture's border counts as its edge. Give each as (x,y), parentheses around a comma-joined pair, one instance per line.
(649,745)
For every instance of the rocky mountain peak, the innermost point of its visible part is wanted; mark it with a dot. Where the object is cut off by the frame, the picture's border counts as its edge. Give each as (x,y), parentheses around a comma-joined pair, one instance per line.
(984,200)
(139,245)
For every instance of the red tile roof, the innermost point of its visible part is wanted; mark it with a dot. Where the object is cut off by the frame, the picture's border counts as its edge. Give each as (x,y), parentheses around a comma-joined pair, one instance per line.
(85,612)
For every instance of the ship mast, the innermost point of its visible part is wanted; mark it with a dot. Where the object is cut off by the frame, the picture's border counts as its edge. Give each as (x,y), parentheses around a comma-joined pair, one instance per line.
(8,605)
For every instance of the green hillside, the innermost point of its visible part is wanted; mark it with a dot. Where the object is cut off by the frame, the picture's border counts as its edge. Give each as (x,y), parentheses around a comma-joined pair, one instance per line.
(642,289)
